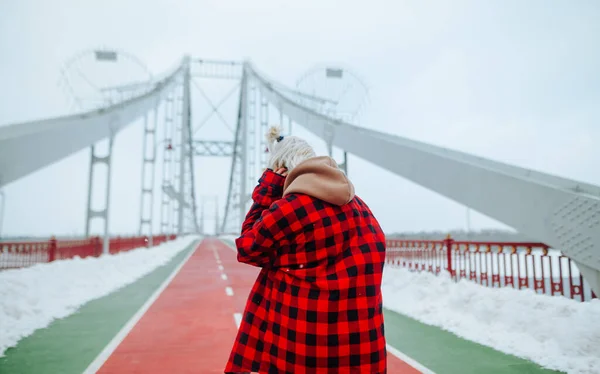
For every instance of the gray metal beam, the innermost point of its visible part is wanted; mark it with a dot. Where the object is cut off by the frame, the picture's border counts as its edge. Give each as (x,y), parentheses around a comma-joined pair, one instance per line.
(30,146)
(185,121)
(243,146)
(106,212)
(216,69)
(236,160)
(147,184)
(217,148)
(562,213)
(167,159)
(190,159)
(174,195)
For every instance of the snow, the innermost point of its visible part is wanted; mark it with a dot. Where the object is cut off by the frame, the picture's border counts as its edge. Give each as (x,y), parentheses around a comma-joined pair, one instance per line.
(33,297)
(555,332)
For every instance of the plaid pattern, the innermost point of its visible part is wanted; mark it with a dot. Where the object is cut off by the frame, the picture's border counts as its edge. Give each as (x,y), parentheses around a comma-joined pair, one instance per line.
(316,305)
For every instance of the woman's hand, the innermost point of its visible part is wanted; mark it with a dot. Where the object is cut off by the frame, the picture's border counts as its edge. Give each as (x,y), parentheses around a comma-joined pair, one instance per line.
(281,171)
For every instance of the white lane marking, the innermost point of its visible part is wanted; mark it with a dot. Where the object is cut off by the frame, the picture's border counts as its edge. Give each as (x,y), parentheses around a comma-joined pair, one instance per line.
(229,291)
(224,276)
(114,343)
(408,360)
(216,254)
(221,267)
(238,319)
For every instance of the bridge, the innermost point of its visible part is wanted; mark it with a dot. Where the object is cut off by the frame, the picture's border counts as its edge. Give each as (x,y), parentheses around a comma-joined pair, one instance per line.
(562,214)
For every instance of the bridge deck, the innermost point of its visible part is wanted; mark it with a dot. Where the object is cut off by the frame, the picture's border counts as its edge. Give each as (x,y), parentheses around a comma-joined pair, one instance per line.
(191,324)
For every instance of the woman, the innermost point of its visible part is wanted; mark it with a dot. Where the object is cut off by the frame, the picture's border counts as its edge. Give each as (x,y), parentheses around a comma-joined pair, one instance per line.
(316,305)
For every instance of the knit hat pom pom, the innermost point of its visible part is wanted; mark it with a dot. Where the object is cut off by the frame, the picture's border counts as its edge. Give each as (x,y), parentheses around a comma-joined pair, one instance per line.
(273,137)
(273,134)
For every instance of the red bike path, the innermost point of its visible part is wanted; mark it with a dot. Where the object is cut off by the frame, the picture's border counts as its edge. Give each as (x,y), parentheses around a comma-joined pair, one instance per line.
(191,326)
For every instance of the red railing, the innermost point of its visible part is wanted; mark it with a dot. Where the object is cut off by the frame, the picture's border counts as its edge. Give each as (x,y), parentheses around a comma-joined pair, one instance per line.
(26,253)
(532,266)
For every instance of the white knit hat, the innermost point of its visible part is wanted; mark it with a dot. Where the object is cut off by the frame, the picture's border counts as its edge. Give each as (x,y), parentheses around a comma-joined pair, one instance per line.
(286,152)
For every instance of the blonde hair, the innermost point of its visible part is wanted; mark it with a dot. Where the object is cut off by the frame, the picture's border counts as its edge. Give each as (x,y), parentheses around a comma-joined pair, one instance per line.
(286,152)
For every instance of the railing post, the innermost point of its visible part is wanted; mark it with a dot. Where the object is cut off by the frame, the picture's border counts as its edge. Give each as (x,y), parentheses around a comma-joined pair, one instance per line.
(449,244)
(97,246)
(52,249)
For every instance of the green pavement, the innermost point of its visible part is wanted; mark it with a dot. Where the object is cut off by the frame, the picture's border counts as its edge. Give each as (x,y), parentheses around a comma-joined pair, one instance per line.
(443,352)
(69,345)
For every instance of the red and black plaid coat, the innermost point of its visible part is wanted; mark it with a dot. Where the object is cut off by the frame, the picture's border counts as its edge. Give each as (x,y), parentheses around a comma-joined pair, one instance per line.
(316,305)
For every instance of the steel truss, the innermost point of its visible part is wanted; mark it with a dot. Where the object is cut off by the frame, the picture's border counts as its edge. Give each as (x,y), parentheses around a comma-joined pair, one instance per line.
(215,70)
(217,148)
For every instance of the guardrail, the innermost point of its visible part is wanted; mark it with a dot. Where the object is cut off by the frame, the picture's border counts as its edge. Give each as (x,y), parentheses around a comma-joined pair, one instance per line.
(533,266)
(21,254)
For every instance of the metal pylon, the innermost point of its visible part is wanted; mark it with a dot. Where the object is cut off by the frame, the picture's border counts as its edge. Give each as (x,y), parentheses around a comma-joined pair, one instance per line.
(178,204)
(104,212)
(166,207)
(176,161)
(250,156)
(148,173)
(186,161)
(264,125)
(234,207)
(250,132)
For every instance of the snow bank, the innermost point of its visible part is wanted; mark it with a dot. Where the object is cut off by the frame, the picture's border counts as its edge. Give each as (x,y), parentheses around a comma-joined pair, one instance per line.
(555,332)
(31,298)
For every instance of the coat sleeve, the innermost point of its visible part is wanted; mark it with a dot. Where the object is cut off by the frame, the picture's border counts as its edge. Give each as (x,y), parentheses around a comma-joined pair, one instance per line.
(261,229)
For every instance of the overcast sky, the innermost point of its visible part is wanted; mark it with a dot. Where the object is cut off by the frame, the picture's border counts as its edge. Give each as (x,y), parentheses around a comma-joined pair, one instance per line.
(513,81)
